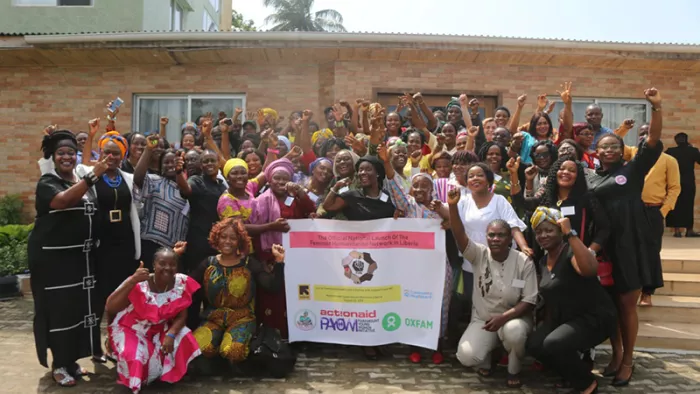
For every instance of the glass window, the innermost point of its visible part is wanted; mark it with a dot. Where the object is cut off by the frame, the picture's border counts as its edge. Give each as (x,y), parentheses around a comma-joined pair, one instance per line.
(180,109)
(35,2)
(615,111)
(216,4)
(83,3)
(177,18)
(208,22)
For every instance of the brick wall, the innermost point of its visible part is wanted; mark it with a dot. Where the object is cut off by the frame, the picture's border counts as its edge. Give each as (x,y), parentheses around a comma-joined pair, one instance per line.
(34,97)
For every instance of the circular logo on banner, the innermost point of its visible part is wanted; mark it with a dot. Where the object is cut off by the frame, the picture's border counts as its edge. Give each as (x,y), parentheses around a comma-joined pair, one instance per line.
(305,320)
(620,179)
(391,322)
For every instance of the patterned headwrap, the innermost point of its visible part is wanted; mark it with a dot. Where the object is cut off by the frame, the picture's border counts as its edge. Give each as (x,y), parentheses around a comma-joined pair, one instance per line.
(453,103)
(318,161)
(393,141)
(115,137)
(544,214)
(577,128)
(374,108)
(58,138)
(234,163)
(286,141)
(270,112)
(267,207)
(325,133)
(279,165)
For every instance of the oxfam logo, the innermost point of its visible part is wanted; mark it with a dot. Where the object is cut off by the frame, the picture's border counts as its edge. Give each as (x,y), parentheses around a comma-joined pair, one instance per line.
(391,322)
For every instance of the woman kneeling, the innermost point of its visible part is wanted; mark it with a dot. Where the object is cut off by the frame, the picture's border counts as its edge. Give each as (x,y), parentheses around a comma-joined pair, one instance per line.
(228,281)
(504,295)
(149,337)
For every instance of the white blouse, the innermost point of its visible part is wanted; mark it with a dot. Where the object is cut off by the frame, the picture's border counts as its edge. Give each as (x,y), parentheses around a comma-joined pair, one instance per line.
(476,220)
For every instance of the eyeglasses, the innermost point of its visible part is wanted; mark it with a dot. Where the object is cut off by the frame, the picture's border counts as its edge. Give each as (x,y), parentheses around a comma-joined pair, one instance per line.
(585,135)
(609,147)
(542,155)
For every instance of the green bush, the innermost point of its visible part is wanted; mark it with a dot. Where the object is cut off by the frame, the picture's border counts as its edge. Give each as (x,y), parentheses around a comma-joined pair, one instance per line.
(13,248)
(11,209)
(13,258)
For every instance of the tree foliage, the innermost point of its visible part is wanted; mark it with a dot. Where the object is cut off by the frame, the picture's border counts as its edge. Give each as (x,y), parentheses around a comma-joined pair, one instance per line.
(296,15)
(240,23)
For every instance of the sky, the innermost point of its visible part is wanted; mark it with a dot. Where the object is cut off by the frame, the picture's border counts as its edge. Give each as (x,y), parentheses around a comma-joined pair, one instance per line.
(667,21)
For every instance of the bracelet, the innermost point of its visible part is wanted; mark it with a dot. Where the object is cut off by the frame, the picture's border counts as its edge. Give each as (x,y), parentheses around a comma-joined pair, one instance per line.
(655,109)
(90,178)
(593,252)
(339,124)
(169,335)
(275,151)
(112,118)
(333,192)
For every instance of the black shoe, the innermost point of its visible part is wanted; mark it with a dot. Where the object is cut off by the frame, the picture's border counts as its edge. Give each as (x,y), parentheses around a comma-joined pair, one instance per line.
(691,234)
(624,382)
(677,235)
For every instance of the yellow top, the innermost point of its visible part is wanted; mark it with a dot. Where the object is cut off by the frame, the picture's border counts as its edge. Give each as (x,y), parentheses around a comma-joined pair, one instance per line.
(662,185)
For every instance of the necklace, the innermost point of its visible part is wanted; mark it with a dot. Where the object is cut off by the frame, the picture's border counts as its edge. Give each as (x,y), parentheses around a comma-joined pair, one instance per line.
(155,284)
(559,203)
(112,183)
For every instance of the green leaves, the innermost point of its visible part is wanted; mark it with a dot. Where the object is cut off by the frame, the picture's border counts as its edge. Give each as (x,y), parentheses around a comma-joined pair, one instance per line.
(296,15)
(11,209)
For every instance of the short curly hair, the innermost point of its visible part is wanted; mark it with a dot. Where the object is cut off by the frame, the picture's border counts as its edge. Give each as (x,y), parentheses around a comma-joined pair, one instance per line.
(241,234)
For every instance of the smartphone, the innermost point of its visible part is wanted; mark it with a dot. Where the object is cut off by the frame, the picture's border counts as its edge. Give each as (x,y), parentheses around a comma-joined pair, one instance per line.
(115,104)
(228,122)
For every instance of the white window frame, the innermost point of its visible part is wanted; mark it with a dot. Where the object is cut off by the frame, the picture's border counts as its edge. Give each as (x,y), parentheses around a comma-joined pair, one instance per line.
(208,22)
(174,7)
(216,5)
(599,101)
(15,3)
(135,121)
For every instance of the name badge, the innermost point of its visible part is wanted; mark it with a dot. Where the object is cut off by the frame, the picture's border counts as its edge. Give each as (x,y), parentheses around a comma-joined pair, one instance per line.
(383,197)
(497,177)
(568,211)
(186,209)
(343,189)
(288,202)
(312,196)
(518,283)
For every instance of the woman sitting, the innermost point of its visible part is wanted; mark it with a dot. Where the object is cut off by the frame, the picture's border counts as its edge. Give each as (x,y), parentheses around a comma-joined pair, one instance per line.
(503,296)
(229,280)
(148,335)
(580,314)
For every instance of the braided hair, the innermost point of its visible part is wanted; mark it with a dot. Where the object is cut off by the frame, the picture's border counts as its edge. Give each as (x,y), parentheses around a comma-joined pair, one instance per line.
(53,141)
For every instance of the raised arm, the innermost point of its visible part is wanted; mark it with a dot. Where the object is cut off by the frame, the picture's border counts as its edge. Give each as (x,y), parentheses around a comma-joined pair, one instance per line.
(225,138)
(119,299)
(162,126)
(568,118)
(211,144)
(583,261)
(75,193)
(182,184)
(654,98)
(87,148)
(515,119)
(141,169)
(364,117)
(333,202)
(304,137)
(432,120)
(456,224)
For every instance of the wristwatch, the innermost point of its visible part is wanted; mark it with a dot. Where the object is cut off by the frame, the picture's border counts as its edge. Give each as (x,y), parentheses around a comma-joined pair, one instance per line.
(571,233)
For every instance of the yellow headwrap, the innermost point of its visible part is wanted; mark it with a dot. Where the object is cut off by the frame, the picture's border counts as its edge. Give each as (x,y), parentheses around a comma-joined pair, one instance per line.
(115,137)
(270,112)
(544,214)
(325,133)
(234,163)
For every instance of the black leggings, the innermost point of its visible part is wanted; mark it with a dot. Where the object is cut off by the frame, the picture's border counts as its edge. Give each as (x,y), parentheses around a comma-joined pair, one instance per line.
(557,348)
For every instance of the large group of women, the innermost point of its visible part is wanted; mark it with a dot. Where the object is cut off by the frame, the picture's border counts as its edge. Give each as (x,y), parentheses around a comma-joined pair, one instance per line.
(178,246)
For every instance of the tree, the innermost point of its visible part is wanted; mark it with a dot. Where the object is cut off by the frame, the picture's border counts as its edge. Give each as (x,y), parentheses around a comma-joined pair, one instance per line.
(238,22)
(296,15)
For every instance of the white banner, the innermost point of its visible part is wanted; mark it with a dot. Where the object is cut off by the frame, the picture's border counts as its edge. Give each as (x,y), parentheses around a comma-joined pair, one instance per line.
(365,283)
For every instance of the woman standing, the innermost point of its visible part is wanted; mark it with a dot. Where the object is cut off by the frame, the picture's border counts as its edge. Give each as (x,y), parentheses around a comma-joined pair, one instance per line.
(618,186)
(61,260)
(165,219)
(682,215)
(137,145)
(321,175)
(281,201)
(580,314)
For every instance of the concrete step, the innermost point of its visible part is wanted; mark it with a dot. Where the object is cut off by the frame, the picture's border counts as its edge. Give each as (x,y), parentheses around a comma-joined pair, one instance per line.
(683,336)
(680,285)
(671,309)
(672,266)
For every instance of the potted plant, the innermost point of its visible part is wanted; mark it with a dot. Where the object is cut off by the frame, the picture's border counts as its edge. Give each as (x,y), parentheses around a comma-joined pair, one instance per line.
(13,259)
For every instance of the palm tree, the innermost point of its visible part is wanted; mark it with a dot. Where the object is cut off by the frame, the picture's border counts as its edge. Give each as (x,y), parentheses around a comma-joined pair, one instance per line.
(296,15)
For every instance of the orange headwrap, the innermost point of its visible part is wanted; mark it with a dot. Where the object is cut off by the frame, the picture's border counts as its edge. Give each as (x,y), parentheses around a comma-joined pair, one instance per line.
(115,137)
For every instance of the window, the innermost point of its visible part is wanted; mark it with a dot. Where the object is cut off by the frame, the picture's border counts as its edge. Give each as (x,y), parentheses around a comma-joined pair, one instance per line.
(208,22)
(180,109)
(438,101)
(176,14)
(216,4)
(615,111)
(53,3)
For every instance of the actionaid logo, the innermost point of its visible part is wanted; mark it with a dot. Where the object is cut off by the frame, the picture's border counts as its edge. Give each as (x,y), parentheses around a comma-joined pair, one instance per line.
(348,314)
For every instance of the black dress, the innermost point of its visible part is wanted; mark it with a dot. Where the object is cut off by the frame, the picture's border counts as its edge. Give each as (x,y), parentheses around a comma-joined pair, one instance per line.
(115,255)
(61,251)
(682,215)
(360,207)
(205,195)
(630,247)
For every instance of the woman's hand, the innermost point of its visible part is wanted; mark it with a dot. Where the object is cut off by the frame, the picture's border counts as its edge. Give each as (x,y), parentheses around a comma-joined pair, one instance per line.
(521,100)
(294,153)
(653,97)
(101,166)
(180,247)
(565,94)
(474,106)
(306,115)
(435,205)
(164,121)
(415,157)
(50,129)
(278,252)
(206,128)
(463,100)
(453,196)
(338,113)
(141,274)
(628,124)
(473,132)
(418,98)
(279,225)
(495,323)
(94,127)
(293,189)
(542,101)
(513,165)
(531,173)
(383,153)
(565,225)
(152,142)
(528,251)
(341,184)
(180,162)
(399,214)
(168,345)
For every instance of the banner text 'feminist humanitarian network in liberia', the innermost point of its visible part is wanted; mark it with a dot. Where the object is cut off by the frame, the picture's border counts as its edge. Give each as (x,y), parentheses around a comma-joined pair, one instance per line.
(365,283)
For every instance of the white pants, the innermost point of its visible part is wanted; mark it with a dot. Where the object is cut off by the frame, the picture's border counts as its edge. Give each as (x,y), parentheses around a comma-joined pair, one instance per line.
(476,344)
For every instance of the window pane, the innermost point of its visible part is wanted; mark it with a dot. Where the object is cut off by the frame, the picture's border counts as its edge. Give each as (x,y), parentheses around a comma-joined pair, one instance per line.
(215,4)
(177,18)
(200,106)
(34,2)
(614,114)
(579,108)
(75,2)
(150,111)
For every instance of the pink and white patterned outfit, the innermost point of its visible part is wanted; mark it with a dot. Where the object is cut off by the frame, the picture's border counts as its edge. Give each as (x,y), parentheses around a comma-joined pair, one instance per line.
(138,331)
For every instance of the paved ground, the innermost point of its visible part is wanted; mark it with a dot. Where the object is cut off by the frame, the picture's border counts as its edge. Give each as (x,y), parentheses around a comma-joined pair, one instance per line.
(328,369)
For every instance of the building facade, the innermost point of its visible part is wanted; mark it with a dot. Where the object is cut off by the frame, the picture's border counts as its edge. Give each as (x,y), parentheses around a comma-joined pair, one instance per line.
(91,16)
(67,79)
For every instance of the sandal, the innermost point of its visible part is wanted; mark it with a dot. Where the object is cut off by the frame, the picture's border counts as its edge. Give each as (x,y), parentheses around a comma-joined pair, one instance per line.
(414,357)
(513,381)
(484,373)
(77,371)
(438,358)
(63,378)
(623,382)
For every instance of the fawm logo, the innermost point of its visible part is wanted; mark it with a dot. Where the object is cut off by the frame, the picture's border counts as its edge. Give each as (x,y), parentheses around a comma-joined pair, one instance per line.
(304,292)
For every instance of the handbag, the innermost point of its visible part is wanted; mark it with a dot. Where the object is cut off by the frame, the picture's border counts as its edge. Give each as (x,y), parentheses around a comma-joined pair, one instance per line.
(269,352)
(605,269)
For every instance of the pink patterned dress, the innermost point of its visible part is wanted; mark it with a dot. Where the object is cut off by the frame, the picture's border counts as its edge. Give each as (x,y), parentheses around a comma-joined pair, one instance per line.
(137,333)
